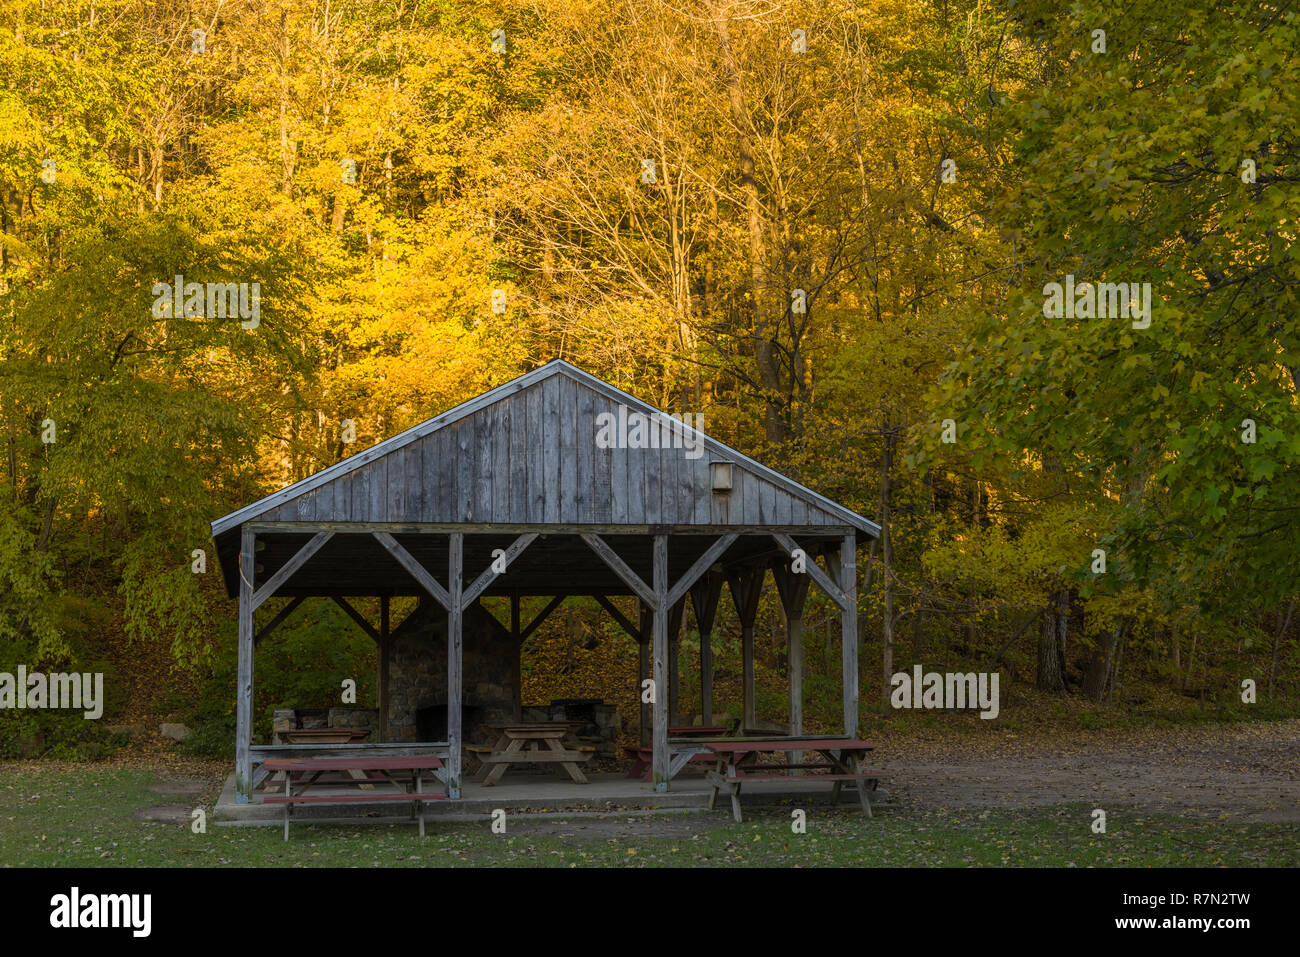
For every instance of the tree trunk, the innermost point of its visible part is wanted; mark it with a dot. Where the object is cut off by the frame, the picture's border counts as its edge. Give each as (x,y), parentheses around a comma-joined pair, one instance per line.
(1098,680)
(286,148)
(156,173)
(918,634)
(1119,656)
(1051,645)
(339,211)
(764,349)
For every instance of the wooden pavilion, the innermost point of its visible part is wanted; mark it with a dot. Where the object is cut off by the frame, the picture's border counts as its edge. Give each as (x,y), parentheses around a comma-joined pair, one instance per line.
(519,478)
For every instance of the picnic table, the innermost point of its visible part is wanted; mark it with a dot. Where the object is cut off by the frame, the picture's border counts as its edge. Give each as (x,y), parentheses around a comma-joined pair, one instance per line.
(533,743)
(684,747)
(320,736)
(406,773)
(737,762)
(323,735)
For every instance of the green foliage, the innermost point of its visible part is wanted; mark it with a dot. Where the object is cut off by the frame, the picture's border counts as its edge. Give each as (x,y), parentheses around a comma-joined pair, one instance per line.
(28,579)
(1145,185)
(302,664)
(54,732)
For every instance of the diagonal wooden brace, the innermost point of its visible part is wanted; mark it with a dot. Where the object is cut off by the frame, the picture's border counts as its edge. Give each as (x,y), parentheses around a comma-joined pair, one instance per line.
(292,565)
(814,571)
(418,571)
(490,575)
(621,569)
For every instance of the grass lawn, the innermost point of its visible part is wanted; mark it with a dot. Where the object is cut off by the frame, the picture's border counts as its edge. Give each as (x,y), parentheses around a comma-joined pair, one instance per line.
(86,817)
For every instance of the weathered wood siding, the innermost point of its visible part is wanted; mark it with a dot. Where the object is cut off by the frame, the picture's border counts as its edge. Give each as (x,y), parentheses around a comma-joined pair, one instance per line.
(532,458)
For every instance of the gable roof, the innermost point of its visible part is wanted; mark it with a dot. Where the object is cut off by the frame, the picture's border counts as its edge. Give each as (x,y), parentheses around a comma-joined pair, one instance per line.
(523,383)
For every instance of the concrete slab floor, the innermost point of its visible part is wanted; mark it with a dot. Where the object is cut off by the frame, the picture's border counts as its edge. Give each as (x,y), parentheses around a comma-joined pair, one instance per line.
(544,796)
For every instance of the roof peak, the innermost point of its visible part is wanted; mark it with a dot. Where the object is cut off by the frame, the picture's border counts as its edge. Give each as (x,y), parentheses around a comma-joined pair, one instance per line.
(511,387)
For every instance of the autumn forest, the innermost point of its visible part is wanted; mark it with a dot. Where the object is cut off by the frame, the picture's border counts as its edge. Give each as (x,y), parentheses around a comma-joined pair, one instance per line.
(828,228)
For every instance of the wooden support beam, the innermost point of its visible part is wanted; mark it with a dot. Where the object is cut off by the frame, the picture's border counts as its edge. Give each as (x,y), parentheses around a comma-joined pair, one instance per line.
(542,615)
(385,641)
(417,571)
(244,673)
(356,616)
(659,742)
(280,616)
(705,595)
(643,671)
(814,570)
(849,632)
(704,599)
(619,617)
(286,571)
(491,574)
(621,569)
(455,647)
(791,588)
(702,565)
(746,588)
(793,591)
(833,564)
(675,616)
(518,674)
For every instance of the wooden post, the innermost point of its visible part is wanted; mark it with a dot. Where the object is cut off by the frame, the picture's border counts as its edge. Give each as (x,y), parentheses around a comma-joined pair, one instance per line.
(704,598)
(383,667)
(793,590)
(643,672)
(747,662)
(519,656)
(455,616)
(244,679)
(746,587)
(849,631)
(659,745)
(706,677)
(794,659)
(674,673)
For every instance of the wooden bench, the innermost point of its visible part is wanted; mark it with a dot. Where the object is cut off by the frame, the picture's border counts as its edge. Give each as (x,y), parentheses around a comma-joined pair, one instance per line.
(289,800)
(307,772)
(785,770)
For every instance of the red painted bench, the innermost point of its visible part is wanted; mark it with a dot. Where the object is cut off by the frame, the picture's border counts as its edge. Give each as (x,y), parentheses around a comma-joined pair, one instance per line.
(306,773)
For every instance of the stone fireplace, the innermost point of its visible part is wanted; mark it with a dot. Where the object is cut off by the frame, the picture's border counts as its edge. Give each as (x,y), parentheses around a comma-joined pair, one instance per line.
(417,676)
(417,685)
(431,721)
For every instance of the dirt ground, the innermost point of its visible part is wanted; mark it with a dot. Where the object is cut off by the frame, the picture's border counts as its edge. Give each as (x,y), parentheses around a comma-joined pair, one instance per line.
(1246,772)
